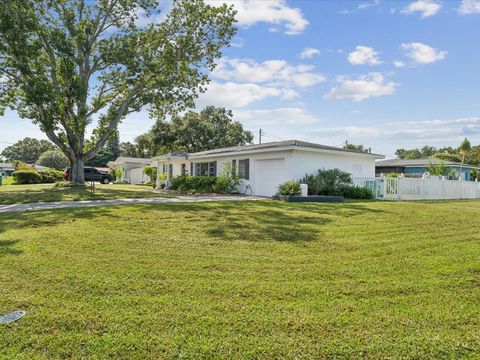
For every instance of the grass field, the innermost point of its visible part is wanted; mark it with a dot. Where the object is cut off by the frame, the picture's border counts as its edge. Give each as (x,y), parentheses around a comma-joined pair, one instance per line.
(15,194)
(243,280)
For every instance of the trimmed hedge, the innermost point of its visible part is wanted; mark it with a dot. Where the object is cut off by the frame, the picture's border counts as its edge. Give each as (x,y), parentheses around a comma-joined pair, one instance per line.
(27,177)
(51,176)
(353,192)
(48,176)
(193,183)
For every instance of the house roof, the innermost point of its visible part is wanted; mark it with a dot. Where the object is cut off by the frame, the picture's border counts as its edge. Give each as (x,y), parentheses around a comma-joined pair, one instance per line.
(123,159)
(418,163)
(272,146)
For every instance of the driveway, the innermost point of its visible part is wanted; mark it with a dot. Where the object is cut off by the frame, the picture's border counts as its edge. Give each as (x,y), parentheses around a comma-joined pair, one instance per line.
(89,203)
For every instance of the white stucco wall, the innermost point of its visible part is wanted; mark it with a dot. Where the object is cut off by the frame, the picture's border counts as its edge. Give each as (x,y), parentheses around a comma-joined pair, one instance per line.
(307,162)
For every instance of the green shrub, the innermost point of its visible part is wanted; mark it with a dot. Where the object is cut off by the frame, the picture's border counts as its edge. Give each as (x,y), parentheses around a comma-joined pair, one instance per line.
(9,180)
(290,187)
(51,176)
(151,172)
(353,192)
(193,183)
(116,174)
(19,165)
(27,177)
(228,180)
(325,182)
(392,175)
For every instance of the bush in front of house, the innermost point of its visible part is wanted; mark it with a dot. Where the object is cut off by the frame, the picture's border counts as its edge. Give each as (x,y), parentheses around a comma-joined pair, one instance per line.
(289,188)
(193,183)
(51,176)
(27,177)
(151,172)
(228,180)
(334,182)
(325,182)
(353,192)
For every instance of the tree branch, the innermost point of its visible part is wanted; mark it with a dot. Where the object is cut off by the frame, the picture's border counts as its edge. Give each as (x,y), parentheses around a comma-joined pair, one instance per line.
(112,125)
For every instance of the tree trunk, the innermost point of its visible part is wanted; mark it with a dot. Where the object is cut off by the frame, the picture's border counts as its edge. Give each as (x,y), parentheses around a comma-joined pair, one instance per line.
(77,175)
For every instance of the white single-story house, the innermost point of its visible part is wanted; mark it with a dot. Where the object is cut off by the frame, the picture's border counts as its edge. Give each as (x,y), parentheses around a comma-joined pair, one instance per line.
(263,167)
(6,169)
(129,164)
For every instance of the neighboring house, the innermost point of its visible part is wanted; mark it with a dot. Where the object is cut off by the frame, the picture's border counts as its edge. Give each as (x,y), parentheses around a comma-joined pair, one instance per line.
(131,168)
(264,167)
(418,167)
(6,169)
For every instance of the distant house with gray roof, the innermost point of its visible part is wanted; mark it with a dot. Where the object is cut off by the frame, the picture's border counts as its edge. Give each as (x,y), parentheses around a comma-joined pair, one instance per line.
(418,167)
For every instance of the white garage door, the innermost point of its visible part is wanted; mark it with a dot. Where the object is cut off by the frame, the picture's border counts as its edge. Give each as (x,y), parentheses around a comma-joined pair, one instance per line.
(268,175)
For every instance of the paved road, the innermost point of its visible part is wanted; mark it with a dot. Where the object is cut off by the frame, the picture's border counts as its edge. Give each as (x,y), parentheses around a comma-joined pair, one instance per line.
(89,203)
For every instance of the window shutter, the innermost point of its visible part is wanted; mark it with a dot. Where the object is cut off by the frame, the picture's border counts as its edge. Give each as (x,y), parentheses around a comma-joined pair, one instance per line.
(191,169)
(247,169)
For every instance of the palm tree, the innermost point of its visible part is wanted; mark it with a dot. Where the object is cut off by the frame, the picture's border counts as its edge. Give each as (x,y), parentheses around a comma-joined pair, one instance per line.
(464,150)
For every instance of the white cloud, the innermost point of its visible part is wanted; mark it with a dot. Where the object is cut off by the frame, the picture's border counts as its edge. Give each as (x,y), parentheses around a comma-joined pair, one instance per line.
(400,134)
(367,5)
(366,86)
(364,55)
(398,64)
(308,53)
(423,54)
(270,72)
(234,95)
(276,117)
(276,12)
(469,7)
(425,7)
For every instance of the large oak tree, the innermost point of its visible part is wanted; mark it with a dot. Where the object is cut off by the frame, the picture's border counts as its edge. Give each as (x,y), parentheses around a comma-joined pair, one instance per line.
(66,64)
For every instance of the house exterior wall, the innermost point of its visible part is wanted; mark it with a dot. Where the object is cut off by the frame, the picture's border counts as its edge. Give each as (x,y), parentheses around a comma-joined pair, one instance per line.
(267,170)
(127,168)
(255,159)
(307,162)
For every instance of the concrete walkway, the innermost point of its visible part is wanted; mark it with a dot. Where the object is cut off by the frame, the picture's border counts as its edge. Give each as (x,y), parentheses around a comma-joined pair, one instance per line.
(89,203)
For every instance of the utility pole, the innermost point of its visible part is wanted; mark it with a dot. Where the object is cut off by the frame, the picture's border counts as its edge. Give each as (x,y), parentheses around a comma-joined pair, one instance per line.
(260,136)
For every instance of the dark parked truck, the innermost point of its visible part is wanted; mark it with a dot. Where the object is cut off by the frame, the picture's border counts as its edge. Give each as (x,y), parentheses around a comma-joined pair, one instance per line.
(92,174)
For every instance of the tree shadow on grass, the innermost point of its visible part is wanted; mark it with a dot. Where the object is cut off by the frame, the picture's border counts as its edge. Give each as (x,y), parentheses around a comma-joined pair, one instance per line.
(268,220)
(37,219)
(51,194)
(7,247)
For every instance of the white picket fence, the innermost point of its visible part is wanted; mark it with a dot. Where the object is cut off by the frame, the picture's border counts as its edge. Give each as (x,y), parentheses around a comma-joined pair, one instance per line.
(137,176)
(419,189)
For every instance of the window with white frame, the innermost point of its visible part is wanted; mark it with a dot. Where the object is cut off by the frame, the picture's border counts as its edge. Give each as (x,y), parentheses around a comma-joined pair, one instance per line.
(206,169)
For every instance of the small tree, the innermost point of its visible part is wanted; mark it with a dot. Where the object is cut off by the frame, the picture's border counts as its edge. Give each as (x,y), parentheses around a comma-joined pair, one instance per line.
(151,172)
(228,180)
(464,150)
(54,159)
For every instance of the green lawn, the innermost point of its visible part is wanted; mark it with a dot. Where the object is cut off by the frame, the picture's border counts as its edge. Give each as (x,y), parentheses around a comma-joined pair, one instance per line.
(14,194)
(243,280)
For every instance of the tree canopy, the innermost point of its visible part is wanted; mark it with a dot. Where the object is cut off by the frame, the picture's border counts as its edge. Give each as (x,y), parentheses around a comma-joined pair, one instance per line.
(54,159)
(465,152)
(208,129)
(354,147)
(27,150)
(68,64)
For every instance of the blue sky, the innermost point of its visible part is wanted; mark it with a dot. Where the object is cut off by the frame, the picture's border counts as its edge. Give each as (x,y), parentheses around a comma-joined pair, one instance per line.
(385,74)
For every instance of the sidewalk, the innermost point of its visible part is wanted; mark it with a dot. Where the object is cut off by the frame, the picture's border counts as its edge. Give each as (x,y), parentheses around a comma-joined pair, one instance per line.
(88,203)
